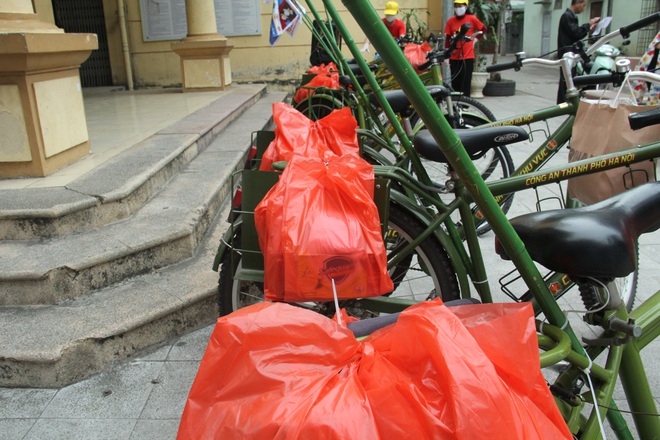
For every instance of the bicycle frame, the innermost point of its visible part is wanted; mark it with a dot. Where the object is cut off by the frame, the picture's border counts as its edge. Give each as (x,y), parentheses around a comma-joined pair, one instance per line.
(478,191)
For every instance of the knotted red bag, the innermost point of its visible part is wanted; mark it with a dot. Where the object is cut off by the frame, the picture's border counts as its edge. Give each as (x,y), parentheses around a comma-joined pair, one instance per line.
(274,371)
(326,138)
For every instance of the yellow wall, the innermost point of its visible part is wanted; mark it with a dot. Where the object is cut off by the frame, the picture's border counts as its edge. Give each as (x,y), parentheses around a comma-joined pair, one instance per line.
(252,59)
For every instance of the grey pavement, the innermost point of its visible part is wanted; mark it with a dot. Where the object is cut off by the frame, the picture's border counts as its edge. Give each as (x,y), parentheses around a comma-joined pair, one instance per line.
(143,398)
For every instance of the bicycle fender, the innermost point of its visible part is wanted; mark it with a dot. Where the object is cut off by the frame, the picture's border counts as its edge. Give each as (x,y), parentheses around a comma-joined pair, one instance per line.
(443,238)
(483,120)
(223,246)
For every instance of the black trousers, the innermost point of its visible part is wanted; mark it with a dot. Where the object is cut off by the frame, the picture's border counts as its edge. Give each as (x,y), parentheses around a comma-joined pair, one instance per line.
(561,91)
(461,75)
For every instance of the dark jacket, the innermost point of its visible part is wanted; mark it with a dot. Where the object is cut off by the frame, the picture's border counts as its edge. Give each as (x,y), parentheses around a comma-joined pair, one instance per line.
(569,31)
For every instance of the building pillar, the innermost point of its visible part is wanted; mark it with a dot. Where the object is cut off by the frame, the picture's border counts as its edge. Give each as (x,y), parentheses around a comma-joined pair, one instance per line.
(42,117)
(204,53)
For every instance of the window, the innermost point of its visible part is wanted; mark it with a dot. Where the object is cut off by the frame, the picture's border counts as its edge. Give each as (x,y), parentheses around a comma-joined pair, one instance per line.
(558,4)
(596,9)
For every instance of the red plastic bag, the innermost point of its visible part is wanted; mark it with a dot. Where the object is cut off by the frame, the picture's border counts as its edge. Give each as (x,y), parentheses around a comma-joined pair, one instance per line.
(326,138)
(416,54)
(323,69)
(281,372)
(326,76)
(317,224)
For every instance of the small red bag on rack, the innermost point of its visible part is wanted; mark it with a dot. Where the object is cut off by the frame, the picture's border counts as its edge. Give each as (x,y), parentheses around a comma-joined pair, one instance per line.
(326,76)
(416,54)
(275,371)
(295,133)
(317,224)
(323,69)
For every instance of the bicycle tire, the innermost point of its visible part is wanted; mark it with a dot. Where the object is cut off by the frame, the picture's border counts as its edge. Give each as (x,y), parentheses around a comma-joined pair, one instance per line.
(467,104)
(228,299)
(429,266)
(426,274)
(627,287)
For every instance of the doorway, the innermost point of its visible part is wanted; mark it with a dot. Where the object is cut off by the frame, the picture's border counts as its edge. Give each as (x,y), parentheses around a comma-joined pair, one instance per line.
(546,31)
(514,33)
(87,16)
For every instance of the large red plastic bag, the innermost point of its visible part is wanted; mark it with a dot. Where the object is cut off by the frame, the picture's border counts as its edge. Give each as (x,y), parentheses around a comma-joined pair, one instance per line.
(317,224)
(296,133)
(281,372)
(416,54)
(326,76)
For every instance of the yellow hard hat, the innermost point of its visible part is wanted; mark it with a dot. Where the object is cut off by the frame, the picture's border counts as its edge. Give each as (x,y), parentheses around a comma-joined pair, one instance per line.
(391,8)
(462,2)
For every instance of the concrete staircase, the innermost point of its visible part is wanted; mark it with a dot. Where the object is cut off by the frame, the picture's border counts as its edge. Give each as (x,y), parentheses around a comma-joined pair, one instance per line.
(120,259)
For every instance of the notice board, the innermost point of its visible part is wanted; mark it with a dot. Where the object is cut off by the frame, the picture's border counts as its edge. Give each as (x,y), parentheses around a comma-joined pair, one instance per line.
(166,19)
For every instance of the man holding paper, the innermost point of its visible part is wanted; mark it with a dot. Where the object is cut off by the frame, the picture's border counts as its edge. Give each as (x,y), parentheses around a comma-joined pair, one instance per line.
(570,32)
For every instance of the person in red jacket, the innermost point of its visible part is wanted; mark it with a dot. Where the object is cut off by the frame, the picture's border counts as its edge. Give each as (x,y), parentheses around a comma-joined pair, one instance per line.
(396,27)
(461,61)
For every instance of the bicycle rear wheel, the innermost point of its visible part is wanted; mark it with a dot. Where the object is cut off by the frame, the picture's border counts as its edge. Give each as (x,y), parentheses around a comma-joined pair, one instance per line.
(425,273)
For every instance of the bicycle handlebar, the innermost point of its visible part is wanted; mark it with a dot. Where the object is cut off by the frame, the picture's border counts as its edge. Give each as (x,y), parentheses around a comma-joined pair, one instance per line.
(458,37)
(438,56)
(626,30)
(504,66)
(644,119)
(614,78)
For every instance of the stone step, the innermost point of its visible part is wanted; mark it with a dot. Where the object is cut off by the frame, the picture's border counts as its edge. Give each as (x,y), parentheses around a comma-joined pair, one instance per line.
(165,231)
(55,345)
(119,187)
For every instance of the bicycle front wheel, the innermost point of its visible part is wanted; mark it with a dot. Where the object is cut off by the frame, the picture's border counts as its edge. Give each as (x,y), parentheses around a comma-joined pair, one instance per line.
(627,287)
(465,104)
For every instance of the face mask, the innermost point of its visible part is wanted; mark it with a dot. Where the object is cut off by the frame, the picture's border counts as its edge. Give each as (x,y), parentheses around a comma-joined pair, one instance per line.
(390,18)
(460,11)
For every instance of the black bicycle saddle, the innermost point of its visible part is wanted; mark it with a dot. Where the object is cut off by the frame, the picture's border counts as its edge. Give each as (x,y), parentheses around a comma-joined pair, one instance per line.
(400,103)
(477,141)
(597,241)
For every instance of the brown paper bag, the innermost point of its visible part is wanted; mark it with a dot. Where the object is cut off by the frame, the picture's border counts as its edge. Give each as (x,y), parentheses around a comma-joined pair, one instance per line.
(601,127)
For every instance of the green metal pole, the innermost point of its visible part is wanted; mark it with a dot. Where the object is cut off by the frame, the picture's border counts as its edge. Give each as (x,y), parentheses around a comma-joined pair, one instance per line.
(377,91)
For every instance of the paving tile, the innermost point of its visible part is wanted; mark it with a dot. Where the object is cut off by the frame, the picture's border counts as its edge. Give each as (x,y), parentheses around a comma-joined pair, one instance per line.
(154,353)
(191,346)
(24,403)
(169,395)
(12,429)
(116,394)
(81,429)
(155,430)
